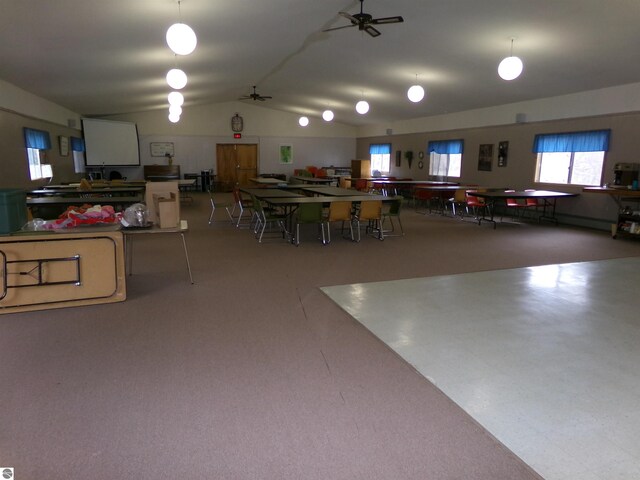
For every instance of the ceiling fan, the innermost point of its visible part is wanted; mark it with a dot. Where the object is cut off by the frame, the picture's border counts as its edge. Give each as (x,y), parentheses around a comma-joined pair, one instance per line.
(365,22)
(255,96)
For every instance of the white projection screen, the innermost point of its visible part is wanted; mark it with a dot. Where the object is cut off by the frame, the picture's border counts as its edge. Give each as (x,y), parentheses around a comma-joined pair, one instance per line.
(110,143)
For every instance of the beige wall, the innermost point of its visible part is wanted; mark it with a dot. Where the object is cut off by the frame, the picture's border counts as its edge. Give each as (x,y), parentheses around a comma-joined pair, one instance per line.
(14,170)
(519,173)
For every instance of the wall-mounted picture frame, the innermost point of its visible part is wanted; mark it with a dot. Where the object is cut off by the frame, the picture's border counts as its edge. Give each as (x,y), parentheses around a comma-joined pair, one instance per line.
(503,153)
(485,157)
(398,158)
(161,149)
(286,154)
(64,145)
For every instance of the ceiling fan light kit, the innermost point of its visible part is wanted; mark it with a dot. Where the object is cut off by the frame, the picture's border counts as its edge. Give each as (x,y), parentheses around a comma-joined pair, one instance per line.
(255,96)
(365,22)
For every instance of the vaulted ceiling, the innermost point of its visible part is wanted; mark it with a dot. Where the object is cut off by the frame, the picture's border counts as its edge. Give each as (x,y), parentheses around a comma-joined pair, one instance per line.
(102,57)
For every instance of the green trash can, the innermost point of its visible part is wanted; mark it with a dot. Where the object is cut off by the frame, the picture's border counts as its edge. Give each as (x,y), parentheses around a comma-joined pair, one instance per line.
(13,209)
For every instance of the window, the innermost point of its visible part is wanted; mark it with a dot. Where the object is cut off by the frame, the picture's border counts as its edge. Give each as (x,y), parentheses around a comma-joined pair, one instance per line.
(571,158)
(77,147)
(445,158)
(37,143)
(380,157)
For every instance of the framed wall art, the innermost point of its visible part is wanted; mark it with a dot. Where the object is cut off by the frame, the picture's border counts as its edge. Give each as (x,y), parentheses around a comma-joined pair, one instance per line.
(485,157)
(286,154)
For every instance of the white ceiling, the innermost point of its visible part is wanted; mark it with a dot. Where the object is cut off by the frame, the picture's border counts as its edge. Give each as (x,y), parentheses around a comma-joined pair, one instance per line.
(101,57)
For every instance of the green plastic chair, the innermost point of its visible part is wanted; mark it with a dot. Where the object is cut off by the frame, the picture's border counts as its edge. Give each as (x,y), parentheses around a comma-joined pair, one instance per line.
(309,213)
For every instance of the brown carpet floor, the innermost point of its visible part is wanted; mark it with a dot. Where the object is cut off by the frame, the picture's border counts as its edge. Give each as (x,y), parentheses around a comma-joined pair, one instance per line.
(252,373)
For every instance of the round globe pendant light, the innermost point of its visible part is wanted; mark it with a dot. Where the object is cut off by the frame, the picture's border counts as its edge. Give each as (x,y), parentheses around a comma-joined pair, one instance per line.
(181,39)
(173,118)
(415,93)
(176,78)
(511,67)
(175,110)
(327,115)
(303,121)
(175,98)
(362,107)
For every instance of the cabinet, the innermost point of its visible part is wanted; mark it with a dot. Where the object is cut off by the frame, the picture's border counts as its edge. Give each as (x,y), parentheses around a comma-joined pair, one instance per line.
(360,168)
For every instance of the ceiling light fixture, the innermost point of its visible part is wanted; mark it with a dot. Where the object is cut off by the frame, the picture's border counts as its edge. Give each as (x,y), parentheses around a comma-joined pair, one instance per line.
(303,121)
(173,118)
(327,115)
(362,107)
(175,98)
(175,110)
(415,92)
(181,38)
(176,79)
(510,68)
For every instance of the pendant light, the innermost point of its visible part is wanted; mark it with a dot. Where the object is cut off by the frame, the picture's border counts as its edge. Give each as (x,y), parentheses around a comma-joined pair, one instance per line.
(175,98)
(173,118)
(176,79)
(303,121)
(511,67)
(362,107)
(181,38)
(415,92)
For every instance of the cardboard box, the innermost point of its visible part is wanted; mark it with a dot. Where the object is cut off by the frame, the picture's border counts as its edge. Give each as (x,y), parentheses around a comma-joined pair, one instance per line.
(162,190)
(167,209)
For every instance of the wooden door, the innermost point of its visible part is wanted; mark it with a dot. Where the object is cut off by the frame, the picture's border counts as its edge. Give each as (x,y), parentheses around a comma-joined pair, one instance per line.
(236,164)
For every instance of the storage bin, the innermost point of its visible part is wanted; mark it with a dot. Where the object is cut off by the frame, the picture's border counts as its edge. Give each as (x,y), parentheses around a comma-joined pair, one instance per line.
(13,209)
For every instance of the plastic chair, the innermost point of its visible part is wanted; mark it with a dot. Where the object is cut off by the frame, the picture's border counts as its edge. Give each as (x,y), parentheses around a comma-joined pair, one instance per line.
(513,204)
(309,213)
(264,217)
(370,212)
(393,212)
(237,211)
(477,204)
(532,203)
(360,184)
(458,202)
(339,212)
(226,206)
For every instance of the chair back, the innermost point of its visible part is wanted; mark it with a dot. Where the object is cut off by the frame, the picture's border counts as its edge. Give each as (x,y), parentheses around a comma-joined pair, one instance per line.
(394,207)
(472,200)
(309,213)
(370,210)
(460,196)
(340,211)
(361,184)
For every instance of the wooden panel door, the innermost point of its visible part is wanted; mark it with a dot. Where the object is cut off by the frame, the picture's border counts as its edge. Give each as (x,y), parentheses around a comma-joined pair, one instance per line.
(236,164)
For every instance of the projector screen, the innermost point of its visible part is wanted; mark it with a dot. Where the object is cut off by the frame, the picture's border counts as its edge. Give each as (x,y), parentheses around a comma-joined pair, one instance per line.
(110,143)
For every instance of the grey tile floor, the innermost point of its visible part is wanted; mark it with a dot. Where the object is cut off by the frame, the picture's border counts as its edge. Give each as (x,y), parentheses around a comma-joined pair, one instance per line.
(546,358)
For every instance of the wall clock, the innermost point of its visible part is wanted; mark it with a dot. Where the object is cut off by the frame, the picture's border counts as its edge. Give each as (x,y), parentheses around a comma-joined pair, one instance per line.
(237,123)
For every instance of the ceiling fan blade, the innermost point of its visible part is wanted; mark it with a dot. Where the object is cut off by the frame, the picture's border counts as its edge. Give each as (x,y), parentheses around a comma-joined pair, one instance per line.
(349,17)
(382,21)
(338,28)
(372,31)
